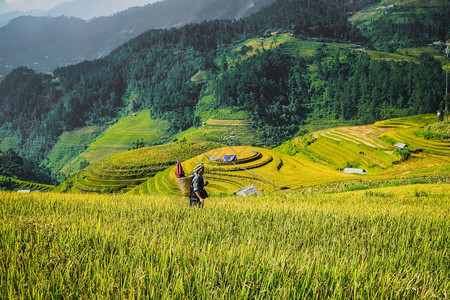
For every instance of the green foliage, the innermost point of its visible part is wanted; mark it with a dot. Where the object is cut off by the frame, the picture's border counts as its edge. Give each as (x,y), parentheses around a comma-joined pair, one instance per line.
(387,139)
(401,24)
(404,153)
(271,85)
(6,183)
(356,87)
(436,131)
(13,165)
(138,144)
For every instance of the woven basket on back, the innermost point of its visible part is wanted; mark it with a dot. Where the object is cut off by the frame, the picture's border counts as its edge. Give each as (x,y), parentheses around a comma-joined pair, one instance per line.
(185,185)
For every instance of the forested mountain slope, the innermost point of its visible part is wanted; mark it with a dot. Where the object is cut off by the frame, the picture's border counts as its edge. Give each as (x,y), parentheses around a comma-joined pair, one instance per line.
(390,25)
(46,43)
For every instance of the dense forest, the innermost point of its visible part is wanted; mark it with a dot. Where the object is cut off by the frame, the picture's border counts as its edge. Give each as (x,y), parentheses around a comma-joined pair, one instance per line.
(13,165)
(405,25)
(280,90)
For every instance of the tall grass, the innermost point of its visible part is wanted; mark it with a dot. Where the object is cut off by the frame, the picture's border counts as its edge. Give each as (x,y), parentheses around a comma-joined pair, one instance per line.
(380,243)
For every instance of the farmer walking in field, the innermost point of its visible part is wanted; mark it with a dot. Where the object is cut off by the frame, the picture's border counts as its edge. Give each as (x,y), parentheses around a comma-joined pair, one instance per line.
(198,193)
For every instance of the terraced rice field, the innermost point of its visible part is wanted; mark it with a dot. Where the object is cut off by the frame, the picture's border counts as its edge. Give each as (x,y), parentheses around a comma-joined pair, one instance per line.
(125,171)
(27,185)
(227,132)
(228,122)
(351,146)
(361,146)
(268,170)
(151,171)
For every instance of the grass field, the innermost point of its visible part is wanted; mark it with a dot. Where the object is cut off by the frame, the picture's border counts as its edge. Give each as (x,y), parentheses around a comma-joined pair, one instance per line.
(65,155)
(120,136)
(384,243)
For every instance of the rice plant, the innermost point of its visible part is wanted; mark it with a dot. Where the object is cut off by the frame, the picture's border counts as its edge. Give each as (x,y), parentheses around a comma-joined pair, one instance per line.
(381,243)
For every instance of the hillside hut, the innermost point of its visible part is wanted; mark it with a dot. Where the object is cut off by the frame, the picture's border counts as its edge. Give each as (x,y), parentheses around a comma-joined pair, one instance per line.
(355,171)
(400,146)
(229,158)
(248,190)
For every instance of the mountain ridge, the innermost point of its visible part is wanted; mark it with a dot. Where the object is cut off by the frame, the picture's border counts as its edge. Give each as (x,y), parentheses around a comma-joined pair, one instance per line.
(68,40)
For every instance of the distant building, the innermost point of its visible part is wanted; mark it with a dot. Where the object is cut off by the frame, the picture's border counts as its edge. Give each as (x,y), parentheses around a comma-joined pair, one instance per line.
(229,158)
(400,146)
(355,171)
(247,191)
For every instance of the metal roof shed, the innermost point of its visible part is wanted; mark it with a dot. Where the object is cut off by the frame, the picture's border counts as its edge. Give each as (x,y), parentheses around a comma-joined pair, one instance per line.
(400,146)
(247,191)
(355,171)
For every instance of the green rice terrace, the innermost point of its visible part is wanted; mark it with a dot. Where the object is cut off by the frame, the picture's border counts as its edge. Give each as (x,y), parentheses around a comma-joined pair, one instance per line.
(22,185)
(319,158)
(122,172)
(373,148)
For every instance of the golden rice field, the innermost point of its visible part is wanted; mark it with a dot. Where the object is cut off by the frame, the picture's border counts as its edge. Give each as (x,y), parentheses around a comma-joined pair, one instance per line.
(124,171)
(384,243)
(363,147)
(151,170)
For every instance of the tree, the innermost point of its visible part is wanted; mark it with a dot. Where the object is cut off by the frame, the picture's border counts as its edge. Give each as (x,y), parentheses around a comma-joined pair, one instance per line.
(138,144)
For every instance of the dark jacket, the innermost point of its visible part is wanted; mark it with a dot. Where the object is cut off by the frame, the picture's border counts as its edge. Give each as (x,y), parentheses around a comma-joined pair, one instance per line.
(198,184)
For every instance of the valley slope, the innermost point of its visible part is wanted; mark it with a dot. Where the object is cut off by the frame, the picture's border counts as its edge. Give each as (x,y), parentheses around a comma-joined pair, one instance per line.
(318,158)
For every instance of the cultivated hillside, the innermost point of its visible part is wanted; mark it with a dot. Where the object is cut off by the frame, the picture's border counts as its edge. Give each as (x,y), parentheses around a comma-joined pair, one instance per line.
(415,21)
(319,158)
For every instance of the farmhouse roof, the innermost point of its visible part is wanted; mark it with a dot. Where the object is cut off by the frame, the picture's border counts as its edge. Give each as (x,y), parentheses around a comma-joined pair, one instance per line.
(400,145)
(248,190)
(229,158)
(355,170)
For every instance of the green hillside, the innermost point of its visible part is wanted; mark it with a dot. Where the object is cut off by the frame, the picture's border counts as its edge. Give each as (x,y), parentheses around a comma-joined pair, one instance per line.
(124,171)
(393,24)
(65,156)
(13,184)
(121,135)
(277,71)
